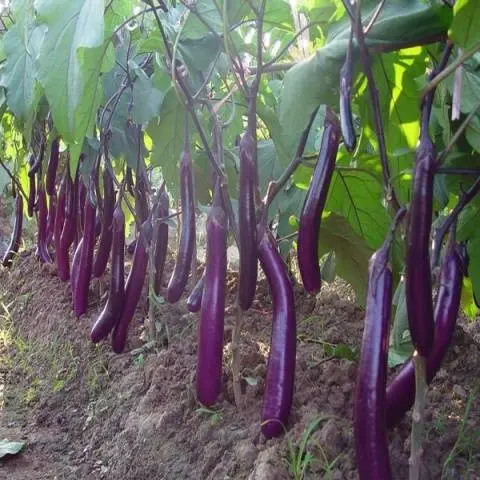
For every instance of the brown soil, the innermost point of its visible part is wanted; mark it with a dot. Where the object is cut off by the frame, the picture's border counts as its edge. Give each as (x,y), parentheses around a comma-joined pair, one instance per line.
(86,413)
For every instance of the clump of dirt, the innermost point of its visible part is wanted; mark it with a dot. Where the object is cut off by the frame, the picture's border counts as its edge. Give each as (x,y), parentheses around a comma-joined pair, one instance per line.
(86,413)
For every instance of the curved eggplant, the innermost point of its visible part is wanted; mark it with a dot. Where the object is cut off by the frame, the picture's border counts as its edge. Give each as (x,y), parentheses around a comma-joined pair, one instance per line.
(103,252)
(280,378)
(186,245)
(370,430)
(248,225)
(210,339)
(52,167)
(161,241)
(133,288)
(113,309)
(42,249)
(16,237)
(194,300)
(401,391)
(311,215)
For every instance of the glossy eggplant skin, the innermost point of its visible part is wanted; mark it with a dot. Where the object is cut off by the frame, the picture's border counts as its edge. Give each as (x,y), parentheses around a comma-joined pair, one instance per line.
(57,230)
(82,283)
(346,117)
(401,391)
(103,252)
(186,245)
(16,237)
(418,285)
(161,241)
(113,308)
(194,300)
(68,228)
(42,248)
(133,288)
(52,213)
(279,383)
(369,427)
(32,193)
(248,224)
(36,162)
(210,332)
(311,215)
(52,167)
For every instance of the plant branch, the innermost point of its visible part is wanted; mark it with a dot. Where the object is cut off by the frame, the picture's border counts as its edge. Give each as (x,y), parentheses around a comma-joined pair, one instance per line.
(450,69)
(442,230)
(365,58)
(458,171)
(14,180)
(277,185)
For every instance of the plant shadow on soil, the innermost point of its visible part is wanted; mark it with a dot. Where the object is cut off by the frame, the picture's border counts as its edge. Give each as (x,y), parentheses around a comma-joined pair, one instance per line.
(86,413)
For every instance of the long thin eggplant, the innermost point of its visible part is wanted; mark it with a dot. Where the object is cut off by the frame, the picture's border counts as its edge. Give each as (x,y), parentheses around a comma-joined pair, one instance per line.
(81,197)
(346,118)
(311,215)
(279,384)
(16,237)
(82,281)
(194,300)
(52,213)
(210,333)
(161,241)
(247,220)
(369,427)
(37,161)
(32,194)
(103,252)
(186,245)
(66,228)
(418,286)
(113,308)
(75,269)
(401,391)
(133,287)
(52,167)
(141,197)
(42,249)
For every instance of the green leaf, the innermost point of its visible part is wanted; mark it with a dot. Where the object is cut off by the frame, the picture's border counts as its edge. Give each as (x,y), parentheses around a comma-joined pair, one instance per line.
(10,448)
(315,80)
(356,195)
(328,267)
(351,252)
(22,43)
(167,136)
(465,28)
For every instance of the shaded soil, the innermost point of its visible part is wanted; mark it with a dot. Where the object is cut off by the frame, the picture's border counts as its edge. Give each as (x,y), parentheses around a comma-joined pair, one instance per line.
(86,413)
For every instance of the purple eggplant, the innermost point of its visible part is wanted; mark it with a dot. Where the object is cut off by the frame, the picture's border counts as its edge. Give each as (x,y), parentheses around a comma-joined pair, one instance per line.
(113,309)
(16,237)
(210,336)
(311,215)
(186,245)
(42,248)
(194,300)
(279,384)
(52,167)
(161,241)
(369,426)
(52,213)
(248,224)
(67,226)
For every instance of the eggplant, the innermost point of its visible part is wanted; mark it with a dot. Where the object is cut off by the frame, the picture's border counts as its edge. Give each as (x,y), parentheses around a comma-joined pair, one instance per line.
(84,271)
(131,246)
(161,241)
(16,237)
(280,378)
(52,167)
(141,198)
(194,300)
(52,213)
(247,221)
(133,287)
(36,162)
(32,193)
(346,117)
(369,426)
(103,252)
(42,249)
(186,245)
(311,215)
(68,228)
(401,391)
(113,308)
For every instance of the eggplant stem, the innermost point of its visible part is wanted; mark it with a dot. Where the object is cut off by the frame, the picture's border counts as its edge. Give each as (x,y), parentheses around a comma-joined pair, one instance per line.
(236,365)
(418,418)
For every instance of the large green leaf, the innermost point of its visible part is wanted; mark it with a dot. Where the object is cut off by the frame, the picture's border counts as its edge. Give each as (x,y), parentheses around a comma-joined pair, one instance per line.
(22,43)
(465,29)
(315,80)
(351,253)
